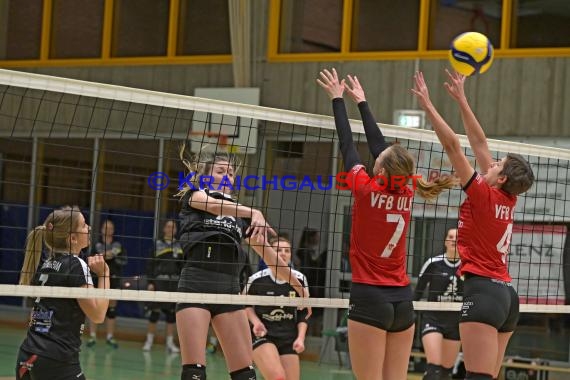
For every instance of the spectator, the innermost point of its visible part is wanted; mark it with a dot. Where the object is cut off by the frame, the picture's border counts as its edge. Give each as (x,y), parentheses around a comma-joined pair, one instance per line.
(164,272)
(116,258)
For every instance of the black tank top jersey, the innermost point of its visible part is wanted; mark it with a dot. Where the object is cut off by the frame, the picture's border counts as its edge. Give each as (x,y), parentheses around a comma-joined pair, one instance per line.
(212,242)
(442,277)
(56,324)
(280,322)
(166,259)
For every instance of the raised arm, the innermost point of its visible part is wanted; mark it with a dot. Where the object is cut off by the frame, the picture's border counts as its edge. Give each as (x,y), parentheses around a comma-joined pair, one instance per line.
(202,201)
(374,136)
(444,133)
(96,308)
(475,133)
(334,89)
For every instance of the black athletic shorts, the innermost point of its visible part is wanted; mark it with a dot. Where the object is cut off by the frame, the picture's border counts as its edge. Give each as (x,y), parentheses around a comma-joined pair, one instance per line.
(490,301)
(388,308)
(284,345)
(196,280)
(30,366)
(445,323)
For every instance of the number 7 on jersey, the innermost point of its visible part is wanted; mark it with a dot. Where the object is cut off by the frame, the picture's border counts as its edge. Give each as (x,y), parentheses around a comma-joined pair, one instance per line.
(394,218)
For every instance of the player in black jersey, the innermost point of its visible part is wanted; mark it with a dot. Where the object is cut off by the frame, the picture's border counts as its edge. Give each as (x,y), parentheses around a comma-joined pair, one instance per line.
(212,228)
(278,332)
(51,348)
(163,272)
(440,329)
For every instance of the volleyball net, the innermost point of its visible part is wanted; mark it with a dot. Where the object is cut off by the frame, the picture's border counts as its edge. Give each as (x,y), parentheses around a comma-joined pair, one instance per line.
(114,152)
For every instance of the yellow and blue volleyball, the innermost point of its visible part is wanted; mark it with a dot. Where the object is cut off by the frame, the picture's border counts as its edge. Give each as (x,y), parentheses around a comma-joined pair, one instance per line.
(471,53)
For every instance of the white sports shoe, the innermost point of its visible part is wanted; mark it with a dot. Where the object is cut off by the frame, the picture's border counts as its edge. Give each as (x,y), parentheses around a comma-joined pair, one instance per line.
(171,347)
(147,345)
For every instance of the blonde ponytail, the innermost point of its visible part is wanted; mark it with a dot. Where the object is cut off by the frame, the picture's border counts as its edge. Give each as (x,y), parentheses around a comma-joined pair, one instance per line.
(34,245)
(54,233)
(430,190)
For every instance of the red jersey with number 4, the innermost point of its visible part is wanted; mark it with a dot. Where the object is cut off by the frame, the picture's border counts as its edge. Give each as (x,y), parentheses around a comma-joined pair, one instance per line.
(485,229)
(380,220)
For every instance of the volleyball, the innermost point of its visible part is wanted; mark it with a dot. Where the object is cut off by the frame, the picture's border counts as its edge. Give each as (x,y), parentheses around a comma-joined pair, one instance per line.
(471,53)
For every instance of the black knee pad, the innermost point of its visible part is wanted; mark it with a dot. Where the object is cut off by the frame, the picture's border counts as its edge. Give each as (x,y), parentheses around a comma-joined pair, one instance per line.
(170,316)
(193,372)
(247,373)
(111,313)
(154,316)
(433,372)
(478,376)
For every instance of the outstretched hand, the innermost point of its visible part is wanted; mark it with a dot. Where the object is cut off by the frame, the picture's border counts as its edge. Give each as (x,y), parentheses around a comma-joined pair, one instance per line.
(356,93)
(455,87)
(259,228)
(329,81)
(420,90)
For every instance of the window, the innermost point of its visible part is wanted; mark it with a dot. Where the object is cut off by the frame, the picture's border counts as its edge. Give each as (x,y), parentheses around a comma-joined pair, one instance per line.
(451,18)
(66,172)
(310,26)
(204,27)
(15,169)
(140,28)
(354,30)
(20,29)
(128,163)
(70,38)
(540,24)
(385,25)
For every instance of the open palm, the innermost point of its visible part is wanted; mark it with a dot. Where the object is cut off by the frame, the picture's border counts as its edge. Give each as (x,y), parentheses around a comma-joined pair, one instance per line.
(420,90)
(455,86)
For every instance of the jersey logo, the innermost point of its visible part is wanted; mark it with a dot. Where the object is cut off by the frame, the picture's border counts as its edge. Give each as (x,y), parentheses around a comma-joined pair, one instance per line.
(450,294)
(278,315)
(227,223)
(222,217)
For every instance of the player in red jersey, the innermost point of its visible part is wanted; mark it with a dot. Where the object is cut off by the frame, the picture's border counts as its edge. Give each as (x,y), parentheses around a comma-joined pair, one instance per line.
(381,312)
(490,309)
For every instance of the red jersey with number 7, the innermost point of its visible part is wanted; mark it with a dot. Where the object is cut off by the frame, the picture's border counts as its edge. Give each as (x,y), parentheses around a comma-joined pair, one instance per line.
(485,229)
(380,220)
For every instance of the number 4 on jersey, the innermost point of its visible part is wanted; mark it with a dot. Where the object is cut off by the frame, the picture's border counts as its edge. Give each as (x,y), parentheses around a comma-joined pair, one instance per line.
(504,244)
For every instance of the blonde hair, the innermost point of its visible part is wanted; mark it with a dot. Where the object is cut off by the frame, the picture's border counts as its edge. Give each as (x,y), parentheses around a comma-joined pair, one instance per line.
(201,163)
(398,162)
(54,233)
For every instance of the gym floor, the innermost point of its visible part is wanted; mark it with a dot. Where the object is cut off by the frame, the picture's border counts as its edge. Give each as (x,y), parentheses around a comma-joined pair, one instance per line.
(129,362)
